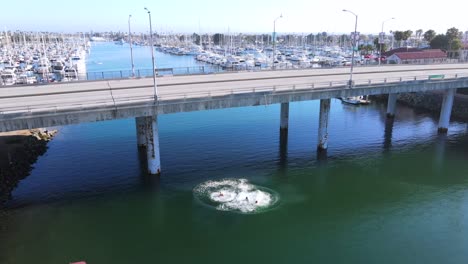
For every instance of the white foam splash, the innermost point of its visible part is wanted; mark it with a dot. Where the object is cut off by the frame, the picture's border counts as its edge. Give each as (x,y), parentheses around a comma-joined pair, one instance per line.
(235,195)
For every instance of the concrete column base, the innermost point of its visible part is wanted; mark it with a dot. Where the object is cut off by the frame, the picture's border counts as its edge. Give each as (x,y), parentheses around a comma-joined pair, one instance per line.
(152,145)
(284,122)
(446,110)
(391,105)
(323,124)
(141,131)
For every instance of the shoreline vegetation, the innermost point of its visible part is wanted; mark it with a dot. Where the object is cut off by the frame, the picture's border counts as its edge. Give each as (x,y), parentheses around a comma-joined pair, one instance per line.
(19,150)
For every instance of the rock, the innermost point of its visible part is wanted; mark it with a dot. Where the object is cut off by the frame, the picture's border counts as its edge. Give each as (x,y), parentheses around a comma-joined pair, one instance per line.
(19,153)
(431,102)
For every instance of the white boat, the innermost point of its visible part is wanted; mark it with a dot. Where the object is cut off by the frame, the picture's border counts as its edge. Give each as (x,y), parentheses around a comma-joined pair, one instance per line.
(8,77)
(70,72)
(26,78)
(43,66)
(58,67)
(230,62)
(97,39)
(120,42)
(355,100)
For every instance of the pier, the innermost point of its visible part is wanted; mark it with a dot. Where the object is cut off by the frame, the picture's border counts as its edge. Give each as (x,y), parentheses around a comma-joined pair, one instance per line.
(33,106)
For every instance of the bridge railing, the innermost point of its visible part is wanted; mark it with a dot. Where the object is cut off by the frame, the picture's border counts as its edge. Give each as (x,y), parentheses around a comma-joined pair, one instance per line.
(358,83)
(142,73)
(113,99)
(194,70)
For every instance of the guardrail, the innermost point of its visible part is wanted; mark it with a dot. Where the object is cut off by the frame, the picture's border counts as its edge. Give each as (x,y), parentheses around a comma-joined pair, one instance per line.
(194,70)
(113,100)
(142,73)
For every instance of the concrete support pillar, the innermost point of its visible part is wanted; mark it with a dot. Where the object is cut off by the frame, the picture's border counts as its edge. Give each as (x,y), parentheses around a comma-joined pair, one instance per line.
(141,131)
(387,144)
(283,147)
(446,110)
(323,124)
(391,105)
(284,123)
(152,145)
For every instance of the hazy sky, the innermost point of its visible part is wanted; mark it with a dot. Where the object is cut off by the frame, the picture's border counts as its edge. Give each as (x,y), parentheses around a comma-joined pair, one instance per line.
(236,15)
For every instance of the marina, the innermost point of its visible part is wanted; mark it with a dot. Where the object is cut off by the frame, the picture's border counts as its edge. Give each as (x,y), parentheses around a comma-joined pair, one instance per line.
(27,59)
(43,59)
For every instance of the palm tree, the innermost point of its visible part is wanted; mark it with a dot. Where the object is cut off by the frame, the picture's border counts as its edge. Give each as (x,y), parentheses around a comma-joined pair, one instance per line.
(406,35)
(398,36)
(418,35)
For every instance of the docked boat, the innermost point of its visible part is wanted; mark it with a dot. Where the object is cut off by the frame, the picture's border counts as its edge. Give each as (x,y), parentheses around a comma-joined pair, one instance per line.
(70,73)
(355,100)
(26,78)
(58,67)
(8,77)
(43,66)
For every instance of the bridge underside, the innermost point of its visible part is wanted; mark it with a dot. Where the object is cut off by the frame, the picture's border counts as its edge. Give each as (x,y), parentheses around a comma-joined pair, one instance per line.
(66,116)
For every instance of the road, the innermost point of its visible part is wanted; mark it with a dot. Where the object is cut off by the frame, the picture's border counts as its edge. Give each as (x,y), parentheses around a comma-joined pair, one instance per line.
(78,94)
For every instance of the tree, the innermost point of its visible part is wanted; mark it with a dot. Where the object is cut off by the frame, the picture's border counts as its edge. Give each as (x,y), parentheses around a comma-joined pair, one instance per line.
(456,44)
(419,33)
(344,38)
(429,35)
(440,41)
(406,35)
(366,49)
(377,45)
(196,38)
(310,38)
(218,38)
(418,36)
(453,39)
(398,36)
(452,34)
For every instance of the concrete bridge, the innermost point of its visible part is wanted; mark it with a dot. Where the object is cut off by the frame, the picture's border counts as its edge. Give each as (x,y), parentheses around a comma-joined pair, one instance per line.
(58,104)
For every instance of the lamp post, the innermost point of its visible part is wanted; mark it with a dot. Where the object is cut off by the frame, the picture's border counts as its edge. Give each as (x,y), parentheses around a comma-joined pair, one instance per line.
(152,57)
(273,39)
(131,49)
(350,83)
(381,41)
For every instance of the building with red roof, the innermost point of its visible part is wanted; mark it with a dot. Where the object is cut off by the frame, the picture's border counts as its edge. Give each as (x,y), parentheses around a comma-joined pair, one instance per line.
(425,56)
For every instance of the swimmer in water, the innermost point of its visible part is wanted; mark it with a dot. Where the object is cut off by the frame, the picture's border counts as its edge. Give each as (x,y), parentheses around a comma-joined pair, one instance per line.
(221,194)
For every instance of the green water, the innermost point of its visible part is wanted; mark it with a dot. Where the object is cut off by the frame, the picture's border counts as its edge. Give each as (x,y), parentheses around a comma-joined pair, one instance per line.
(406,207)
(385,194)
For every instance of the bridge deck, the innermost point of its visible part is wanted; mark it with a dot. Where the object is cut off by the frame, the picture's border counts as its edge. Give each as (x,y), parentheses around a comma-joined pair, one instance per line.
(22,103)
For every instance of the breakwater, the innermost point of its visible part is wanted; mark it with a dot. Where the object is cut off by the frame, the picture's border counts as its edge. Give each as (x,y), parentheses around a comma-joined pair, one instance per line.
(19,150)
(431,102)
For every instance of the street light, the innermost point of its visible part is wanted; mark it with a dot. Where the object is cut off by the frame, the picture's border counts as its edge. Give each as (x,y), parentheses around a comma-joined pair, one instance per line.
(152,56)
(274,40)
(350,84)
(131,50)
(381,41)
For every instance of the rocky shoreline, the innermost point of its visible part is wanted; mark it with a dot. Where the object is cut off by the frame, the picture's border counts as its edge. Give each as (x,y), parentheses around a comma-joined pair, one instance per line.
(19,150)
(432,102)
